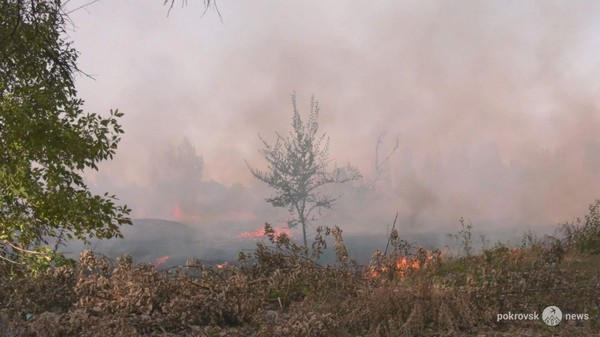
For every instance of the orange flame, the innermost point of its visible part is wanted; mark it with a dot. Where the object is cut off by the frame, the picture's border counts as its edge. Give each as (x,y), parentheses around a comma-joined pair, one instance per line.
(404,265)
(180,215)
(401,263)
(177,213)
(261,232)
(161,260)
(222,265)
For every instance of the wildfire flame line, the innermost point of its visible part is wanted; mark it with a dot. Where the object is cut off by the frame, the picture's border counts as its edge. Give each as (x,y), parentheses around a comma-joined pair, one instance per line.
(179,215)
(261,232)
(161,260)
(222,265)
(403,265)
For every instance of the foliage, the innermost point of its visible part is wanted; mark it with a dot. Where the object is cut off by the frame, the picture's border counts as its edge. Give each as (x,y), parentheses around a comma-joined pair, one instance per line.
(464,237)
(298,166)
(46,140)
(584,234)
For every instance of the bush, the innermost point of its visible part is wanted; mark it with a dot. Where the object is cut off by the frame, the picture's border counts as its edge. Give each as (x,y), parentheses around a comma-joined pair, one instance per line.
(584,234)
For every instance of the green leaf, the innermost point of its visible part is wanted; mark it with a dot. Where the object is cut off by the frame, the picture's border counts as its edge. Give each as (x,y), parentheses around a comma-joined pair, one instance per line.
(46,137)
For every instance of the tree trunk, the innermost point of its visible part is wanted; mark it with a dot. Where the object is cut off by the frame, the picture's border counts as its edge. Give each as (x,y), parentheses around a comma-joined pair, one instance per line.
(304,235)
(302,218)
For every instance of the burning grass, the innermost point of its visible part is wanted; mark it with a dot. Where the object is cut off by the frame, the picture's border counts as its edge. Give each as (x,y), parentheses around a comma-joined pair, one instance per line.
(280,290)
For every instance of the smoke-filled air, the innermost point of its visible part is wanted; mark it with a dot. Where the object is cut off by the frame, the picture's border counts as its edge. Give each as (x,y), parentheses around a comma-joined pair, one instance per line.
(489,109)
(299,168)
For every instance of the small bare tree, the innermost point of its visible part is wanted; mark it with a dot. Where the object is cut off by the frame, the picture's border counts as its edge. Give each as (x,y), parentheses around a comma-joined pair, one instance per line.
(380,163)
(298,166)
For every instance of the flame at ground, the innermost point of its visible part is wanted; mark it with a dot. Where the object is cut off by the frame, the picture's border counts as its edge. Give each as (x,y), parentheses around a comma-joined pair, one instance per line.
(402,263)
(177,213)
(161,260)
(261,232)
(405,265)
(222,265)
(180,215)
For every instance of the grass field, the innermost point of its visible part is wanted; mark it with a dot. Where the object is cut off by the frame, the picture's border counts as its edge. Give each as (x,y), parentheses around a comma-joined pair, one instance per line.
(279,290)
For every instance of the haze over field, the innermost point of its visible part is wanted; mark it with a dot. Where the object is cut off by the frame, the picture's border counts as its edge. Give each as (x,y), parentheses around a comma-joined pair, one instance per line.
(494,104)
(166,170)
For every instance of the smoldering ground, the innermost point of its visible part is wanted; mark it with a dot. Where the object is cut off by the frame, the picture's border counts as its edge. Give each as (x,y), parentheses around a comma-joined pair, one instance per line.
(494,105)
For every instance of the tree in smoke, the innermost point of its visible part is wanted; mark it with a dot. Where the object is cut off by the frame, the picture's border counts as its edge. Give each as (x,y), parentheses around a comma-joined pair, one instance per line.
(381,162)
(298,166)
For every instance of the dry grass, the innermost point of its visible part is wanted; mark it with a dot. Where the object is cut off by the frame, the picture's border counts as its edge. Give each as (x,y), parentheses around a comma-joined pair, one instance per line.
(280,291)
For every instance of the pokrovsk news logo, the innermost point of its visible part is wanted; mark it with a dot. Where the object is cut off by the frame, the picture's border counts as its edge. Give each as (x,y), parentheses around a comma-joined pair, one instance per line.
(551,316)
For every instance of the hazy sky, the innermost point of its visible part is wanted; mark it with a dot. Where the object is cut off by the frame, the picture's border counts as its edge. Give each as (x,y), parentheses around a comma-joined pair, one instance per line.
(495,104)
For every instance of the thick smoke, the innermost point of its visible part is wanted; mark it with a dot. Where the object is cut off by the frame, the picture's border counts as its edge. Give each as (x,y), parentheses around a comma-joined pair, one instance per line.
(494,104)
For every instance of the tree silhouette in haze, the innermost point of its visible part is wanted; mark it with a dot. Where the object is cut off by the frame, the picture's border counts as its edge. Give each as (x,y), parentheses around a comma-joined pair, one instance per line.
(298,167)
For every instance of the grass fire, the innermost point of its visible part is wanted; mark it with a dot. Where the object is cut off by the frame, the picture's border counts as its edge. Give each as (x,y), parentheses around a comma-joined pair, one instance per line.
(231,168)
(278,290)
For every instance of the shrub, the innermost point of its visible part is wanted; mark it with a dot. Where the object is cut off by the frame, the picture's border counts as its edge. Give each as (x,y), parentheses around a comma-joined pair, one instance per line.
(584,234)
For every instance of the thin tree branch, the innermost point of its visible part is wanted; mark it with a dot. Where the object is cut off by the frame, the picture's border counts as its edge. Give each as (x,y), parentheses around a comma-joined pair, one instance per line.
(9,260)
(13,246)
(87,4)
(389,236)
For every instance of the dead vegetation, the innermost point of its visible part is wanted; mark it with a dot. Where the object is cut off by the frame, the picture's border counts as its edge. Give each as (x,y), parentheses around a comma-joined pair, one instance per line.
(280,290)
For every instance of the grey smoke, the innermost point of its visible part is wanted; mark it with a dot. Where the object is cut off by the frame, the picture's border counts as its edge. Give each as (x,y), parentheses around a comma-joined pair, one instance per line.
(495,105)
